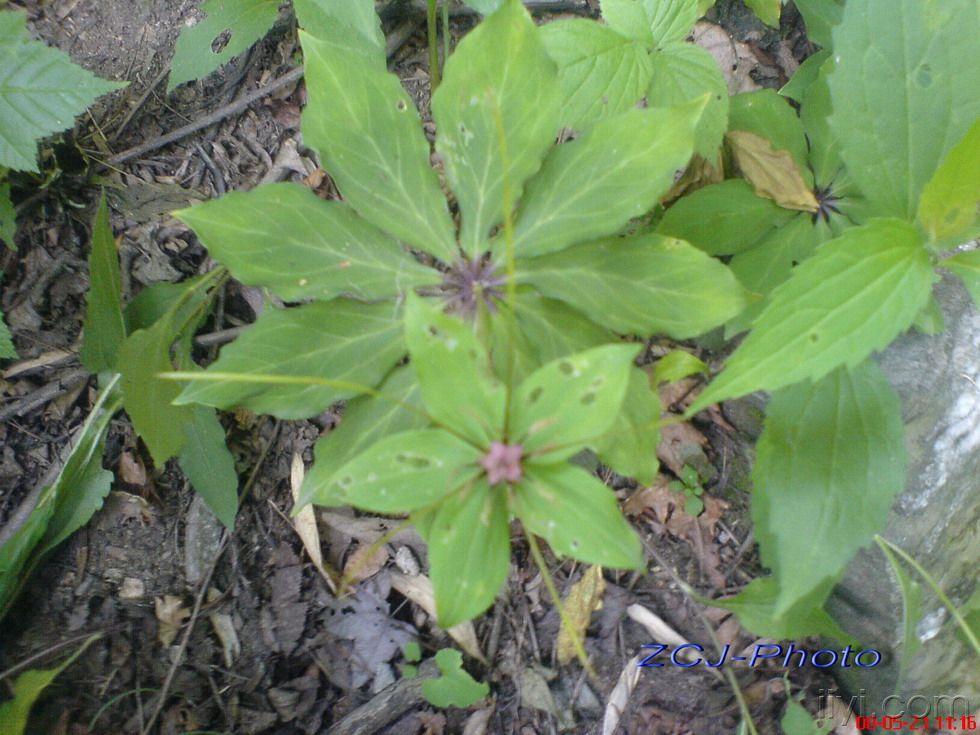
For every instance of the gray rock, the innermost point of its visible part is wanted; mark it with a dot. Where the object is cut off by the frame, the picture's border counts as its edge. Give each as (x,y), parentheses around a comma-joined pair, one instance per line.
(936,519)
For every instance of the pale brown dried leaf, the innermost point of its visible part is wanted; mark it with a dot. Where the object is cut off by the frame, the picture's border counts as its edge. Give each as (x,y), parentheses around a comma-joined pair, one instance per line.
(584,598)
(171,615)
(772,173)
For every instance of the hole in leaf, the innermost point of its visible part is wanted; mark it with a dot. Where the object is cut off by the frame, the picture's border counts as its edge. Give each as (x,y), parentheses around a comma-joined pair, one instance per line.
(402,105)
(221,41)
(412,461)
(574,544)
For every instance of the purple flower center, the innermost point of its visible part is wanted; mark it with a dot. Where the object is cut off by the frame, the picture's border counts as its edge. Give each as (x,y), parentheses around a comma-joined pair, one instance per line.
(503,463)
(470,282)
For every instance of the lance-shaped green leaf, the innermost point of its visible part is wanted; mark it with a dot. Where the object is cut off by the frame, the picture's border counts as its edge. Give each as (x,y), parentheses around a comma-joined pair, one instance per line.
(820,17)
(804,76)
(458,386)
(630,447)
(723,219)
(577,515)
(7,348)
(16,549)
(902,94)
(496,115)
(104,326)
(8,217)
(852,297)
(769,115)
(469,551)
(370,139)
(643,284)
(407,471)
(339,340)
(570,402)
(366,419)
(829,463)
(595,184)
(284,237)
(950,200)
(353,23)
(654,22)
(601,73)
(209,466)
(683,72)
(41,91)
(767,10)
(966,265)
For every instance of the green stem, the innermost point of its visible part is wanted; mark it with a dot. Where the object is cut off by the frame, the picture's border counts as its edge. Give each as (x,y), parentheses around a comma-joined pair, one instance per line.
(970,635)
(445,31)
(433,34)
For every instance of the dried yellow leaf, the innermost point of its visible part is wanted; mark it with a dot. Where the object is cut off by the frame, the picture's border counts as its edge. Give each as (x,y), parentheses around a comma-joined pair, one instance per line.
(773,174)
(583,599)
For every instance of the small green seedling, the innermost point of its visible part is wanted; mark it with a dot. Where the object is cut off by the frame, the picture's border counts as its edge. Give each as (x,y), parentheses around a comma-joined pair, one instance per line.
(455,687)
(690,484)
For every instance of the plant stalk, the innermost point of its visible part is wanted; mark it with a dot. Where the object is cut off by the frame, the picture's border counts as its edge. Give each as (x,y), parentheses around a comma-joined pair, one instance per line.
(433,37)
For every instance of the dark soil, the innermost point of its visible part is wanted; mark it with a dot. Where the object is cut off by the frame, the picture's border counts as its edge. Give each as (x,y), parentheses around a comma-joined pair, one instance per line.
(301,664)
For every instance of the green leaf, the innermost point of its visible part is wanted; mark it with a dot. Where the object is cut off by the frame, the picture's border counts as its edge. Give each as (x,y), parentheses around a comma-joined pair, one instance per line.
(7,349)
(407,471)
(209,466)
(8,216)
(643,285)
(797,721)
(354,22)
(338,340)
(594,185)
(104,327)
(571,402)
(454,371)
(654,22)
(724,218)
(370,139)
(577,515)
(820,17)
(903,94)
(246,20)
(966,265)
(497,113)
(930,320)
(911,610)
(767,114)
(286,238)
(683,72)
(16,551)
(630,447)
(676,365)
(469,552)
(805,75)
(755,608)
(601,73)
(156,300)
(455,688)
(484,7)
(767,10)
(41,92)
(366,420)
(852,297)
(828,465)
(950,199)
(27,687)
(148,399)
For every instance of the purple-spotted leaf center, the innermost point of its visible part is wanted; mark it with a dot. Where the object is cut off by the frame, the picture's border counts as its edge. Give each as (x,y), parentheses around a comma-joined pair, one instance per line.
(471,282)
(503,463)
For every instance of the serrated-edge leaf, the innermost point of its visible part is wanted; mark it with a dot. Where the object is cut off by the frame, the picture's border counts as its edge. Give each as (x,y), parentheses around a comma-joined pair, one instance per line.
(104,328)
(820,17)
(497,113)
(8,216)
(469,551)
(407,471)
(369,136)
(601,73)
(654,22)
(284,237)
(340,340)
(642,285)
(247,21)
(594,185)
(577,515)
(209,465)
(829,462)
(570,402)
(41,92)
(852,297)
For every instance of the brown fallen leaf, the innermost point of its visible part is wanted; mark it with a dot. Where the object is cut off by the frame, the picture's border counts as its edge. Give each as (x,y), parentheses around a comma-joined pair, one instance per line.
(419,590)
(366,561)
(171,614)
(131,470)
(736,60)
(773,174)
(681,444)
(619,697)
(305,522)
(584,598)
